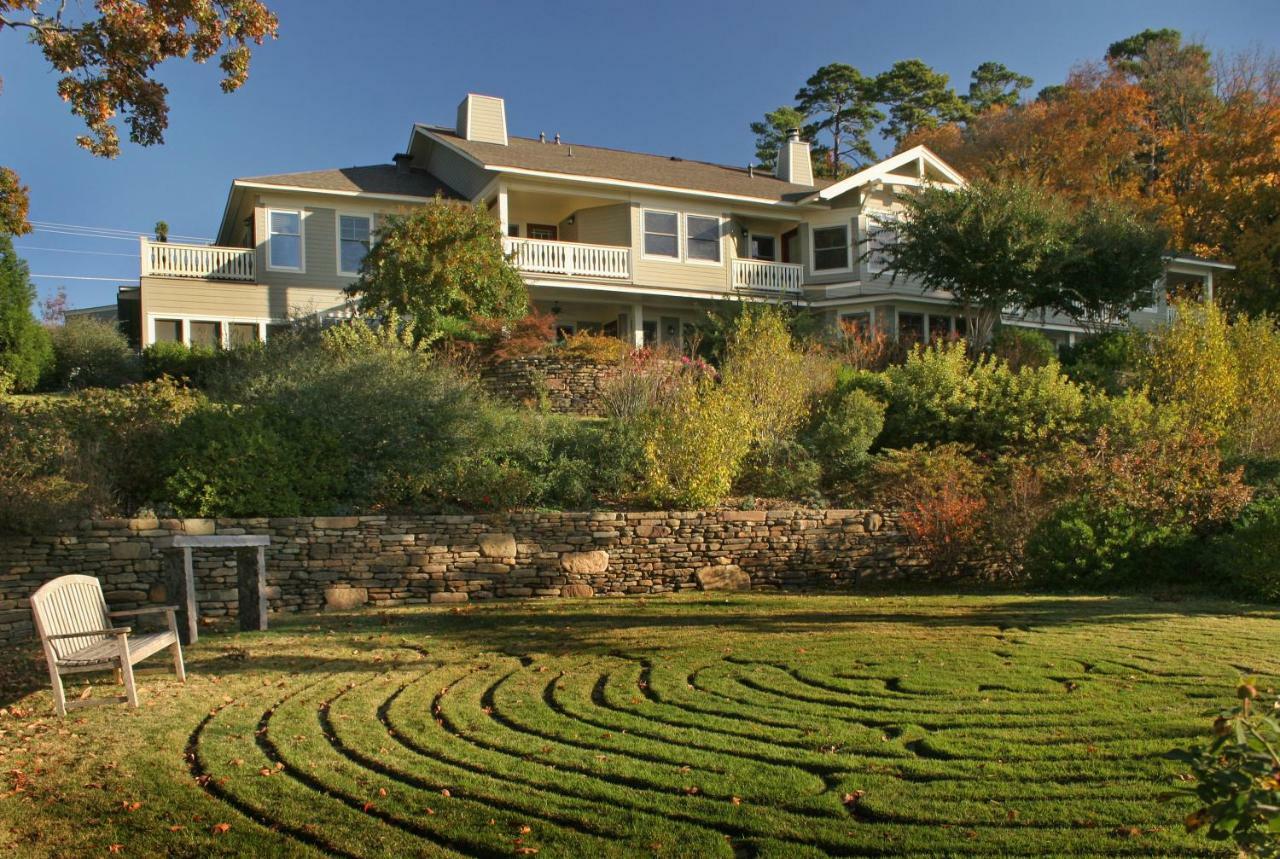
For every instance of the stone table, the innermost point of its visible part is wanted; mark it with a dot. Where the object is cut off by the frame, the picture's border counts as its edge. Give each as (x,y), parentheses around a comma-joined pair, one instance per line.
(251,579)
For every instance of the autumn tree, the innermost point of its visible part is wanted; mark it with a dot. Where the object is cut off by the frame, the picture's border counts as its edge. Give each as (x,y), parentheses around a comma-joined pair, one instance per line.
(993,84)
(438,268)
(916,96)
(841,101)
(107,57)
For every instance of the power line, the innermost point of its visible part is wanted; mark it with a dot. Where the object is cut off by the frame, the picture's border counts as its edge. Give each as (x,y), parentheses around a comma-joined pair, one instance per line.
(79,277)
(130,233)
(70,251)
(133,239)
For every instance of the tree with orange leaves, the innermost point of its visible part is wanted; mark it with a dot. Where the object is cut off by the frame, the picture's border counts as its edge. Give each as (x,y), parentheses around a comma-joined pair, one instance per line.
(107,61)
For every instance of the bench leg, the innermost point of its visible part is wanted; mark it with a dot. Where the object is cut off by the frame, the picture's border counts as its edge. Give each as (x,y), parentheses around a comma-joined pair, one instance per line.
(59,696)
(130,690)
(178,668)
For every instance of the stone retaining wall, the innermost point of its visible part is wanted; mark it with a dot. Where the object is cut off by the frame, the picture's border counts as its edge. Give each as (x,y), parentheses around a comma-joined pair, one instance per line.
(565,385)
(343,562)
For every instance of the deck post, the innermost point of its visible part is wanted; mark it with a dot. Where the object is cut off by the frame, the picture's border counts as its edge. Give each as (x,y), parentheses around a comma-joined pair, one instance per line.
(180,582)
(251,581)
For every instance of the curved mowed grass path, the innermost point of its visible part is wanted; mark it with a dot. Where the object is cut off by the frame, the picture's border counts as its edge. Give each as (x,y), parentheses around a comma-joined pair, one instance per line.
(770,726)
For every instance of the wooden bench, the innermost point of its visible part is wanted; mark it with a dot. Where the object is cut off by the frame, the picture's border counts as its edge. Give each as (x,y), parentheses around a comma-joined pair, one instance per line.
(75,630)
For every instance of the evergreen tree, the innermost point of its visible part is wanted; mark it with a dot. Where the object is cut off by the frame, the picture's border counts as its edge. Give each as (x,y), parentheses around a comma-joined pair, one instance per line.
(994,85)
(24,344)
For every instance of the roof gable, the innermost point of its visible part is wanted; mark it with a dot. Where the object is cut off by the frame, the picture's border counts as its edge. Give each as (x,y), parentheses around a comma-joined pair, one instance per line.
(913,166)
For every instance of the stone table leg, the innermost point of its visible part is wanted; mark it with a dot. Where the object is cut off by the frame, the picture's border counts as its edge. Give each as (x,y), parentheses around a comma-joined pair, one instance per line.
(251,580)
(180,581)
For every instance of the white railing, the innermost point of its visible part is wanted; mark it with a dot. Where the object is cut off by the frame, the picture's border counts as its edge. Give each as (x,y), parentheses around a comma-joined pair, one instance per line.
(762,276)
(166,259)
(570,259)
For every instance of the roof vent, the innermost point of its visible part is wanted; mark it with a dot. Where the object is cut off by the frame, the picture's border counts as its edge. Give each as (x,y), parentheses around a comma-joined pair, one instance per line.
(557,138)
(483,118)
(542,137)
(403,161)
(570,150)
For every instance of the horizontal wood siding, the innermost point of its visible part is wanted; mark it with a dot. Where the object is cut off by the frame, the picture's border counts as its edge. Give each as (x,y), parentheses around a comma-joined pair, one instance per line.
(604,225)
(677,274)
(225,300)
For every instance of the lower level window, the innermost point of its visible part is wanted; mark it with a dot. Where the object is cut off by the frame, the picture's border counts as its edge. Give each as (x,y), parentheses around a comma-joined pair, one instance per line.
(855,324)
(168,330)
(243,333)
(206,333)
(911,327)
(939,327)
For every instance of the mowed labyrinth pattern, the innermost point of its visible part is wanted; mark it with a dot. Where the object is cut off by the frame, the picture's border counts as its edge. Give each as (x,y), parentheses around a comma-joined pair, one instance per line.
(764,726)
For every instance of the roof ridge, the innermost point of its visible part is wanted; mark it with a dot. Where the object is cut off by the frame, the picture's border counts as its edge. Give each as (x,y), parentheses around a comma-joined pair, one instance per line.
(757,172)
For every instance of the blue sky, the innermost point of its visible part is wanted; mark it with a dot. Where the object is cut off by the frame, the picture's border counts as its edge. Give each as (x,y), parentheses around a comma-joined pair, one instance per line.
(345,81)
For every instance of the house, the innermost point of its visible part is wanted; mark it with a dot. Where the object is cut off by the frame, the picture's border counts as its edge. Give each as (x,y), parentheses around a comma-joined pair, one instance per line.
(611,241)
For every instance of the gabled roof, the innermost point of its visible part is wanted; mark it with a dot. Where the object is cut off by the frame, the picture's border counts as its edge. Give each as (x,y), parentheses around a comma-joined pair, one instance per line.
(926,165)
(530,155)
(372,179)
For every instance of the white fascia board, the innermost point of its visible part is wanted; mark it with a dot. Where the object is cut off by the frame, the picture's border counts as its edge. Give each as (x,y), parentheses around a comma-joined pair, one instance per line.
(329,192)
(629,289)
(885,167)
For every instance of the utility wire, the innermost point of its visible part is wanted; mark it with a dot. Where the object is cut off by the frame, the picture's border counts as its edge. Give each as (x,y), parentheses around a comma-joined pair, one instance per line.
(79,277)
(130,233)
(70,251)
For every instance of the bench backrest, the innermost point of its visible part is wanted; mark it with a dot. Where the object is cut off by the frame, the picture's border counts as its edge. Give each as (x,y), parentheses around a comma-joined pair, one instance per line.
(69,604)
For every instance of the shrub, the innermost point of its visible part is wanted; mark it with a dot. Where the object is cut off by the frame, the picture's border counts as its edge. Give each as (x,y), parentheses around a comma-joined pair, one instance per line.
(867,349)
(781,469)
(1022,347)
(598,348)
(43,479)
(1107,361)
(768,376)
(845,425)
(90,353)
(1132,508)
(1237,776)
(649,381)
(939,395)
(694,447)
(1246,557)
(503,339)
(194,365)
(939,492)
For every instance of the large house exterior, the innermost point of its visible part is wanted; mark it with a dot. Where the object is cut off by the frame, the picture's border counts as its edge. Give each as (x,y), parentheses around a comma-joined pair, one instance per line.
(617,242)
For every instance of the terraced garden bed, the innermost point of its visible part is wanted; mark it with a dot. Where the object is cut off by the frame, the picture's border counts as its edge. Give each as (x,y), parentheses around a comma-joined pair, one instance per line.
(756,725)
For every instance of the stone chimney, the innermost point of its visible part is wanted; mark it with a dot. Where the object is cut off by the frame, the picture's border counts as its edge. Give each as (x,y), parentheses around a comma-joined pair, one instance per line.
(483,118)
(793,160)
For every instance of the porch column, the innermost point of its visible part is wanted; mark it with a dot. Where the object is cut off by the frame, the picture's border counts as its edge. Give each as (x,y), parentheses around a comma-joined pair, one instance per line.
(637,325)
(502,208)
(1208,287)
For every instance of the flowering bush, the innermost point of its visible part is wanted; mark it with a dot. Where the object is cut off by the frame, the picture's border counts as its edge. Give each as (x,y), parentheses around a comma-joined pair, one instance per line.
(599,348)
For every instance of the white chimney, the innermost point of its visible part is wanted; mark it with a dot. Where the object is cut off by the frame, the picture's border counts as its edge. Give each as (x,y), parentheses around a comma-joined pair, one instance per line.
(794,164)
(483,118)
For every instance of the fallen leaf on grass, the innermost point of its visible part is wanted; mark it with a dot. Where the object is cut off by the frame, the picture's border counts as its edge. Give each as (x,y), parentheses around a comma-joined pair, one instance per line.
(220,828)
(115,848)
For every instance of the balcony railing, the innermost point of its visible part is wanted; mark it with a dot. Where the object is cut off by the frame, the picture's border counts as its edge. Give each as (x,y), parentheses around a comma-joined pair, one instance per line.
(763,276)
(570,259)
(208,262)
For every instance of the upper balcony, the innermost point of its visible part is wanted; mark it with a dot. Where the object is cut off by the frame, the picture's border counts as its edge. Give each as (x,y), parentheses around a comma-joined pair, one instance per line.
(570,259)
(776,278)
(203,262)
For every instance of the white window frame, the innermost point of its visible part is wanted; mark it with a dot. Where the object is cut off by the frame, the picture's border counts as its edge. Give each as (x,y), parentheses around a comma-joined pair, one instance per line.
(751,237)
(872,219)
(225,321)
(302,241)
(684,244)
(338,236)
(644,253)
(848,227)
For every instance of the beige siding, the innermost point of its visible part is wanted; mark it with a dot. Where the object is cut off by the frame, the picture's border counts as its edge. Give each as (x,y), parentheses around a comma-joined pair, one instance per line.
(603,225)
(457,172)
(678,274)
(483,118)
(177,298)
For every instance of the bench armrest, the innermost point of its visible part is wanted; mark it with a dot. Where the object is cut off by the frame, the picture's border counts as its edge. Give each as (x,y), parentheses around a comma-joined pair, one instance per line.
(122,630)
(155,609)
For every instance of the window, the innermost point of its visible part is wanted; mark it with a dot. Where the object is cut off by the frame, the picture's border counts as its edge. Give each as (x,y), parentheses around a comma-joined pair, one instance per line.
(939,327)
(830,248)
(763,247)
(206,333)
(855,324)
(702,238)
(353,241)
(168,330)
(284,240)
(661,237)
(544,232)
(513,230)
(910,327)
(243,333)
(881,233)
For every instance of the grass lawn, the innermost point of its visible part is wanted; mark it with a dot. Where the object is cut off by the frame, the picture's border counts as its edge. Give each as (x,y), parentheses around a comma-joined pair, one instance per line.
(760,725)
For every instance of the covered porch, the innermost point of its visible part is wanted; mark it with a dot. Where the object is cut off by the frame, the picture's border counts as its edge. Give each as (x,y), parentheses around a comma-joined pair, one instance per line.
(565,235)
(640,320)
